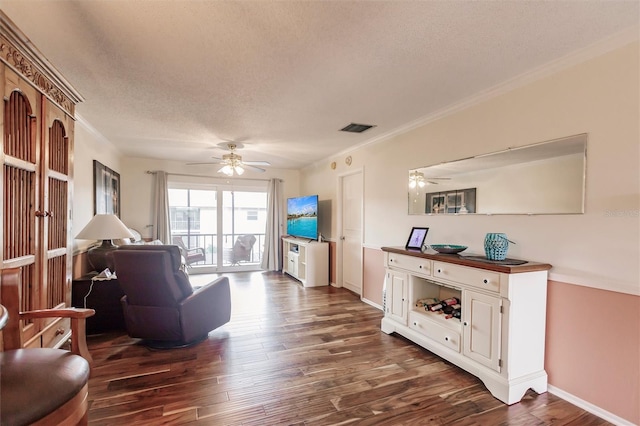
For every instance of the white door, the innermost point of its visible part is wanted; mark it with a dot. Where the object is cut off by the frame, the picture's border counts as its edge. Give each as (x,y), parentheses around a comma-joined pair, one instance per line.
(351,189)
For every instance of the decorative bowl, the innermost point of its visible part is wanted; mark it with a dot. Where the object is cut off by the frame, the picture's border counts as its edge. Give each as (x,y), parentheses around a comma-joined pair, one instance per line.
(448,248)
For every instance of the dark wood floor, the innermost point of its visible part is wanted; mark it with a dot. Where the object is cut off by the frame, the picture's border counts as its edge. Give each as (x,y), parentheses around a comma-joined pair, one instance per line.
(299,356)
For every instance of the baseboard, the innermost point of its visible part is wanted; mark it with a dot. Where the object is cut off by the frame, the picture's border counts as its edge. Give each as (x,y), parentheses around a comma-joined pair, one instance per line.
(369,302)
(353,289)
(587,406)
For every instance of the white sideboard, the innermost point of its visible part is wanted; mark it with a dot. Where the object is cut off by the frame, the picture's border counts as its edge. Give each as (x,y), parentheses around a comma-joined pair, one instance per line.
(306,261)
(500,337)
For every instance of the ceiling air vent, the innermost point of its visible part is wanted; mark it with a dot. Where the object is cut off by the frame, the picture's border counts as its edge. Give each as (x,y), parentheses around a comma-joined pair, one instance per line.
(356,128)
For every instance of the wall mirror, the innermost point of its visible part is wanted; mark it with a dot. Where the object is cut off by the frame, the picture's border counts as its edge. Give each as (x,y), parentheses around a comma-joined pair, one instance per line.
(543,178)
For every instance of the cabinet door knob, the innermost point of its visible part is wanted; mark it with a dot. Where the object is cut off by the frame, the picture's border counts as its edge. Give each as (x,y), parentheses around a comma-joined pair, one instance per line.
(486,281)
(439,271)
(415,323)
(465,323)
(446,338)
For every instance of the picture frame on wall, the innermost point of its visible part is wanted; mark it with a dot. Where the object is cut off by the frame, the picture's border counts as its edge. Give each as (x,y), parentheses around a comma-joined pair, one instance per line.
(459,201)
(106,193)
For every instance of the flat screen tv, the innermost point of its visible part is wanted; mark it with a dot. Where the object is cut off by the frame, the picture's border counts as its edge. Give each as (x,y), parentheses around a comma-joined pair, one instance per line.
(302,217)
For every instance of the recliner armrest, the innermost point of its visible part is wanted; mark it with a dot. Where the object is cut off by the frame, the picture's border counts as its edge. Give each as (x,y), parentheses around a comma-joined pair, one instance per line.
(214,299)
(216,289)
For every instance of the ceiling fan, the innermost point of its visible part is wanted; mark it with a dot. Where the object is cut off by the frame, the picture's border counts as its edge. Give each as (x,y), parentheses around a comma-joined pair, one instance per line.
(417,179)
(232,163)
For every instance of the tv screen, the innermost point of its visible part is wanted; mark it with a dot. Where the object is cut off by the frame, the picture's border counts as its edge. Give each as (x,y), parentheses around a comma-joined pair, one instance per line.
(302,217)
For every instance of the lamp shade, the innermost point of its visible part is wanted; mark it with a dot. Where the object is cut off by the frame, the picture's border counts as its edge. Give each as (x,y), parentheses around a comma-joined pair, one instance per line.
(104,227)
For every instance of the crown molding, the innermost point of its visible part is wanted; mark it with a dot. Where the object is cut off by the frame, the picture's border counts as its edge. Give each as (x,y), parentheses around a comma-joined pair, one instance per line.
(599,48)
(20,54)
(89,128)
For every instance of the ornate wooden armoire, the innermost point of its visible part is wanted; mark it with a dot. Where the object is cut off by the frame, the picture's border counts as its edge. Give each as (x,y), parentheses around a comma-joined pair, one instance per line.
(36,152)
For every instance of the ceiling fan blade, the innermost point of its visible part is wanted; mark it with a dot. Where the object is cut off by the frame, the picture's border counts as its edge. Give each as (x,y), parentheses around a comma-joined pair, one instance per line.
(254,168)
(199,164)
(256,163)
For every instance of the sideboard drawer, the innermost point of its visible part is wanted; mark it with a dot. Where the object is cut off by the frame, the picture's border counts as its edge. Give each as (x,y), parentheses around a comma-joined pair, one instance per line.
(445,336)
(412,264)
(480,278)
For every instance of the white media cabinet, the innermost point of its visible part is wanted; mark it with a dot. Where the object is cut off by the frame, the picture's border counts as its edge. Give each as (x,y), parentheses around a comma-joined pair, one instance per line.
(307,261)
(500,337)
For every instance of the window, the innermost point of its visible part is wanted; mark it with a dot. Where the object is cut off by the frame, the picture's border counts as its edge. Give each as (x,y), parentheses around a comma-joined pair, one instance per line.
(215,216)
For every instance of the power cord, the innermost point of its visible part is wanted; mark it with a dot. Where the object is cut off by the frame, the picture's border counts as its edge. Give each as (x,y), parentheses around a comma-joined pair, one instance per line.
(88,293)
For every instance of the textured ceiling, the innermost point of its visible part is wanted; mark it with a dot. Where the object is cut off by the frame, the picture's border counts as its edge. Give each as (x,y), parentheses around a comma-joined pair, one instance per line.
(172,79)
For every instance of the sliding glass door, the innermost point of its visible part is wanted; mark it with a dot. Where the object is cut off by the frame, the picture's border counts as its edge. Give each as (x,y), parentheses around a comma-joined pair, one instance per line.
(226,224)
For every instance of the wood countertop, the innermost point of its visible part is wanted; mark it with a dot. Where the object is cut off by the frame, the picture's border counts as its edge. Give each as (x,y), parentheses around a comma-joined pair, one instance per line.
(475,262)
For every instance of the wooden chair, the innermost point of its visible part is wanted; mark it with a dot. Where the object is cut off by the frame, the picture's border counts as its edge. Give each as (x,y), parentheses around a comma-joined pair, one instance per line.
(41,386)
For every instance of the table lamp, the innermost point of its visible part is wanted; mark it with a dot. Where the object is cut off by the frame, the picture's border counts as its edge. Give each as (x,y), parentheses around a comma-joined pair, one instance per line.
(103,227)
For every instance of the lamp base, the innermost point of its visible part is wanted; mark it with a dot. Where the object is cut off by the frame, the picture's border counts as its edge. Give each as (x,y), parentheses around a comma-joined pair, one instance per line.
(101,257)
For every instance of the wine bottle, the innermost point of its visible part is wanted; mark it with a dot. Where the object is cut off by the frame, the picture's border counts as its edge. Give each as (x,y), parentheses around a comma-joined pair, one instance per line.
(451,301)
(425,302)
(436,307)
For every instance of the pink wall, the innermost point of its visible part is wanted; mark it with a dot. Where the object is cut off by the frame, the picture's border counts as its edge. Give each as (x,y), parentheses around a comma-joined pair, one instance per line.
(373,275)
(592,345)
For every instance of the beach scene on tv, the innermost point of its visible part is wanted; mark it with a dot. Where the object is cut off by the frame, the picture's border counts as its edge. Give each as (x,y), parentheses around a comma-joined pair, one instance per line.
(302,217)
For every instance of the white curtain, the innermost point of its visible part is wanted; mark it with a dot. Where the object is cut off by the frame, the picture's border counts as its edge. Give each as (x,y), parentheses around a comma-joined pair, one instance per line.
(271,258)
(161,225)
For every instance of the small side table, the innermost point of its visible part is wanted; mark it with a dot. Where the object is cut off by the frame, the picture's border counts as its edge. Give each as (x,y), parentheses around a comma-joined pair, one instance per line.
(104,297)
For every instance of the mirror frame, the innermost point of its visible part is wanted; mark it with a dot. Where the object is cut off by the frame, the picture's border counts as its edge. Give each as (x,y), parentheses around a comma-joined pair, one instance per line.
(548,172)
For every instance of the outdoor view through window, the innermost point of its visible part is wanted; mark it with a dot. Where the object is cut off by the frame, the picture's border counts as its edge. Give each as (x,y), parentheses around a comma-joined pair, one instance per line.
(228,226)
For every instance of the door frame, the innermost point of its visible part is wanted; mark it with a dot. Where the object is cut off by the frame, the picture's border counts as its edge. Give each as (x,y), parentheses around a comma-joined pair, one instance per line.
(339,225)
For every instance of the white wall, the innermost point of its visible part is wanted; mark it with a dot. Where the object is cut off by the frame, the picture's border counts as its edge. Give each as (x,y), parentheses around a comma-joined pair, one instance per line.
(137,186)
(599,248)
(88,146)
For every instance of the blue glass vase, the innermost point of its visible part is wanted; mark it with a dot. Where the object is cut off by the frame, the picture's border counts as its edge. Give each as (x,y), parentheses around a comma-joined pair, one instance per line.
(496,246)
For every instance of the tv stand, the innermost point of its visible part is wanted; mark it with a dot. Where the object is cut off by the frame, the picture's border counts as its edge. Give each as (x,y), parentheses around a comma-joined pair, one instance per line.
(306,260)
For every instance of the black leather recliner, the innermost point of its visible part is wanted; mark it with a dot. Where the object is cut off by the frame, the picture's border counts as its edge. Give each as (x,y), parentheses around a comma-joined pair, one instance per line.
(159,305)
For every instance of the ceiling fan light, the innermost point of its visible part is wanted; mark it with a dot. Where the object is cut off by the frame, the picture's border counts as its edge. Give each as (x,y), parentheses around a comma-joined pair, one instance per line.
(416,179)
(227,170)
(239,170)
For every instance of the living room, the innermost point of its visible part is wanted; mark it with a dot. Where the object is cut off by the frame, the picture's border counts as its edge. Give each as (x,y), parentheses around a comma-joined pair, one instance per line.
(593,301)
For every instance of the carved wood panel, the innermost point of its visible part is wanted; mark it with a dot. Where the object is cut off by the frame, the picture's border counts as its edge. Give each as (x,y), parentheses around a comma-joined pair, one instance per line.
(36,183)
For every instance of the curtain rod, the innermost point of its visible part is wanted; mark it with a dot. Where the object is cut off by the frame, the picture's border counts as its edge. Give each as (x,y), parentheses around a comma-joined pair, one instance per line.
(153,172)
